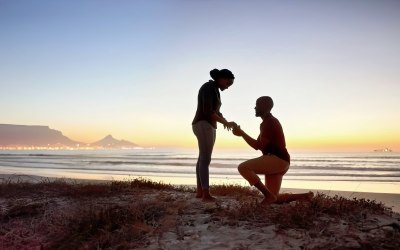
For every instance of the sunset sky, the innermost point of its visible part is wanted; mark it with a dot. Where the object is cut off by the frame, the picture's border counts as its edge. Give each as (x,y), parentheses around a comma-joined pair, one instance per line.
(133,68)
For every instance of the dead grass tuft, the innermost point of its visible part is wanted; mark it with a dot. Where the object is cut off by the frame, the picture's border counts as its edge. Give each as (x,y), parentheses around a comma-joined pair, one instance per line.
(113,226)
(233,190)
(64,187)
(303,214)
(149,184)
(22,209)
(338,205)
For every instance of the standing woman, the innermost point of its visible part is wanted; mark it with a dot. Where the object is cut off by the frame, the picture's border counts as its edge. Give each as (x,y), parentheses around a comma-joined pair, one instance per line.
(205,124)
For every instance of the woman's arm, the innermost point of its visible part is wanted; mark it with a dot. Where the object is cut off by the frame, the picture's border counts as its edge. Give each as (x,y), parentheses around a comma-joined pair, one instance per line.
(220,119)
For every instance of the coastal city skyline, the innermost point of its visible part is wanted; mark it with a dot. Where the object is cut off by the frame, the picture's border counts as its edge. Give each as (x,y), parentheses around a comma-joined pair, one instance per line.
(31,137)
(133,69)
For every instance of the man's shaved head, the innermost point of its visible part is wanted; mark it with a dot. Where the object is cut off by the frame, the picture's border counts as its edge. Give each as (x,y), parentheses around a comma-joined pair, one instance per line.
(266,102)
(264,105)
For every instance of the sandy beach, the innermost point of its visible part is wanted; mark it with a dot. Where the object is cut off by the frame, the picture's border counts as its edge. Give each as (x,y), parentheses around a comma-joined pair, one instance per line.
(85,214)
(390,200)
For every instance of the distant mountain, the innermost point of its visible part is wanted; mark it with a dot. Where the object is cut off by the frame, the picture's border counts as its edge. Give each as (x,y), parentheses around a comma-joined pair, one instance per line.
(33,136)
(42,136)
(111,142)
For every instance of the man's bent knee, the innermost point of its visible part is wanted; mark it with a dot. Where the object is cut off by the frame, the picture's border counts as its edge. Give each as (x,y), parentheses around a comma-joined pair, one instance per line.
(241,168)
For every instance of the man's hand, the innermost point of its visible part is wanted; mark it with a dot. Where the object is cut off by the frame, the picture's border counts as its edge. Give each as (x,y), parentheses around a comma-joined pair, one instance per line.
(237,131)
(230,125)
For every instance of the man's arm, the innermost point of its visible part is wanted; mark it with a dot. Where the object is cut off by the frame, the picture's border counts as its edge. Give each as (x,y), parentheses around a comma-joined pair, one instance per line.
(252,142)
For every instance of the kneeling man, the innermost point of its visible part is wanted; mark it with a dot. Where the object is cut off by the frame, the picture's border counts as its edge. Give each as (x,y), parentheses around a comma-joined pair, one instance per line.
(275,161)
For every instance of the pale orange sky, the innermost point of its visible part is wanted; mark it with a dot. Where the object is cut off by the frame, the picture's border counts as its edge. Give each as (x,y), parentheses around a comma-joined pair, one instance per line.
(170,137)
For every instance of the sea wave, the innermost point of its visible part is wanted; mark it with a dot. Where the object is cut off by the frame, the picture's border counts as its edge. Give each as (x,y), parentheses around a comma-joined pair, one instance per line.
(372,167)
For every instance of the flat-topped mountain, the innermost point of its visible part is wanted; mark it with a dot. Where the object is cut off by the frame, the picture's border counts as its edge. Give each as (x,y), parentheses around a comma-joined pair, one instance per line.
(14,136)
(111,142)
(33,136)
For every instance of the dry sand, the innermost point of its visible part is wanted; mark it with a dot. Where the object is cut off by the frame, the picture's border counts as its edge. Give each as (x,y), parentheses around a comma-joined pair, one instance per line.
(200,228)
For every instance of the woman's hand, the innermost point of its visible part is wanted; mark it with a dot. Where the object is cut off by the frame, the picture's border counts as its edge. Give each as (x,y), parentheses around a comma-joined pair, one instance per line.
(230,125)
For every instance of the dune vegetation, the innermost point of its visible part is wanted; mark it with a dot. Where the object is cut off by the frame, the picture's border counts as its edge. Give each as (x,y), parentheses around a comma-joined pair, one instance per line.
(140,213)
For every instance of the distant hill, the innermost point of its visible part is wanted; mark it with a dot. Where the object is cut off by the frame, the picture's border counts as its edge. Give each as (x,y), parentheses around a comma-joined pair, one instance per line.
(43,136)
(33,136)
(111,142)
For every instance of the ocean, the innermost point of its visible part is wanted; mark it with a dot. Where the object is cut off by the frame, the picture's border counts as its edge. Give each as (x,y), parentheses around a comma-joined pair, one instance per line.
(357,172)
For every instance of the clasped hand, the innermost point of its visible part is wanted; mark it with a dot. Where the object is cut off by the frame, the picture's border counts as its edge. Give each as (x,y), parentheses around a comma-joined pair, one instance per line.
(230,125)
(234,127)
(237,131)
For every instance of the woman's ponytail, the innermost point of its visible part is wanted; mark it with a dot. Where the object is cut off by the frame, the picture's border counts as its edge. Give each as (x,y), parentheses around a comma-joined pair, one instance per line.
(223,73)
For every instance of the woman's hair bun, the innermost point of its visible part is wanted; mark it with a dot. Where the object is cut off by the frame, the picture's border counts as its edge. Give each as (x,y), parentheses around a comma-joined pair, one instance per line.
(223,73)
(214,74)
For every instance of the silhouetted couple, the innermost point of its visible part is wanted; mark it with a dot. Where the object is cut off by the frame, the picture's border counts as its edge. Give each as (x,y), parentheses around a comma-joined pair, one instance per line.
(274,162)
